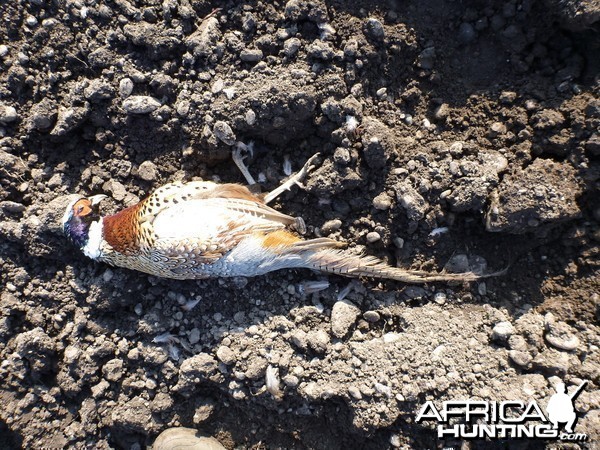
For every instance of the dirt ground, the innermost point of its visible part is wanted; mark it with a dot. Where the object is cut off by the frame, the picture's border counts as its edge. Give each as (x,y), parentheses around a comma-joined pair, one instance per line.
(452,134)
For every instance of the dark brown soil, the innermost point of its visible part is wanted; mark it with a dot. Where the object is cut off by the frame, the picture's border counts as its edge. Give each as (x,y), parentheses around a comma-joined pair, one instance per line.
(462,134)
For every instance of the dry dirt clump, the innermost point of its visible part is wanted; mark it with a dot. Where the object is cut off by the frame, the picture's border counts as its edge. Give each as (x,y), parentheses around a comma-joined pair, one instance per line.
(462,135)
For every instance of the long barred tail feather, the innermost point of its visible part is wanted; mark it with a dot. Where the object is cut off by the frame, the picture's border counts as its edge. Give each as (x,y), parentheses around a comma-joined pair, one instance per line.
(347,264)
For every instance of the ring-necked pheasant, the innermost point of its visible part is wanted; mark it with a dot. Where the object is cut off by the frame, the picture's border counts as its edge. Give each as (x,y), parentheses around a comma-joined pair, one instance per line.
(202,229)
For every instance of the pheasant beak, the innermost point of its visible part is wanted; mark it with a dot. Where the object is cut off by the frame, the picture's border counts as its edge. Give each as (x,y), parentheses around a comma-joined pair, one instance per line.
(96,199)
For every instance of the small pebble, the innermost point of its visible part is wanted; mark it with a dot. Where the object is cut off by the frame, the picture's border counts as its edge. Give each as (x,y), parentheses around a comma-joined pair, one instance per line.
(482,288)
(140,104)
(498,128)
(354,392)
(7,114)
(318,341)
(374,29)
(125,87)
(373,236)
(343,316)
(31,21)
(226,355)
(251,55)
(440,298)
(502,331)
(395,441)
(183,108)
(371,316)
(147,171)
(381,92)
(291,381)
(250,117)
(520,358)
(382,202)
(442,111)
(560,335)
(331,226)
(384,390)
(3,51)
(194,336)
(291,47)
(224,133)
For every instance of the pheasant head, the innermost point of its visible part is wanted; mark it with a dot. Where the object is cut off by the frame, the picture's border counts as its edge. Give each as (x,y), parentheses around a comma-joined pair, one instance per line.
(82,224)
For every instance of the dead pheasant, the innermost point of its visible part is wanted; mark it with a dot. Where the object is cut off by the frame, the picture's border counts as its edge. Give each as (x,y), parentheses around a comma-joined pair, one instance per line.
(202,229)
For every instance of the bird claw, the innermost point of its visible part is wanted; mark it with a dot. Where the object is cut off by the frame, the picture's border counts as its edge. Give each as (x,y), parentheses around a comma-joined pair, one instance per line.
(238,158)
(295,179)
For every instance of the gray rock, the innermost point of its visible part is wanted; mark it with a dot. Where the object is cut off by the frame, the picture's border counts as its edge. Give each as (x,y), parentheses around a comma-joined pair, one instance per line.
(140,104)
(300,339)
(147,171)
(116,189)
(224,133)
(503,331)
(442,112)
(371,316)
(413,203)
(7,114)
(12,207)
(373,236)
(125,87)
(458,264)
(251,55)
(226,355)
(318,341)
(291,47)
(291,381)
(520,358)
(343,316)
(440,298)
(560,335)
(382,202)
(351,49)
(194,336)
(113,370)
(374,30)
(331,226)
